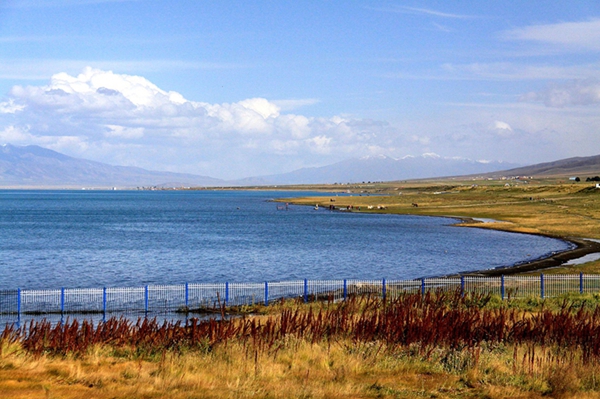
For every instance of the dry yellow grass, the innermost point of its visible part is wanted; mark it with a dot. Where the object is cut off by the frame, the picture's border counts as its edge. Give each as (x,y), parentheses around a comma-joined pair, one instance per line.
(299,370)
(303,370)
(561,210)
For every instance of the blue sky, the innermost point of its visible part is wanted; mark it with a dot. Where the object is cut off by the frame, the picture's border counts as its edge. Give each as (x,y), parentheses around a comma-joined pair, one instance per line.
(232,89)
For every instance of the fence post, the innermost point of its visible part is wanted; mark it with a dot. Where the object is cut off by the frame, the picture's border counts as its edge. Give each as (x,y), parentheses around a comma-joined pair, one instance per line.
(462,286)
(423,286)
(226,293)
(305,290)
(581,282)
(383,289)
(187,296)
(542,285)
(104,303)
(345,289)
(502,286)
(146,299)
(266,293)
(62,300)
(18,305)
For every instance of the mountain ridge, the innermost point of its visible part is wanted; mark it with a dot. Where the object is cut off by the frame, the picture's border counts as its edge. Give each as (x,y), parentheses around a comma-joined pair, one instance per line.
(37,167)
(34,166)
(559,168)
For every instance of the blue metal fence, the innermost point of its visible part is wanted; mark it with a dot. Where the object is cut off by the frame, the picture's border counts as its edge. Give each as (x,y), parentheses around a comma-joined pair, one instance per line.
(165,299)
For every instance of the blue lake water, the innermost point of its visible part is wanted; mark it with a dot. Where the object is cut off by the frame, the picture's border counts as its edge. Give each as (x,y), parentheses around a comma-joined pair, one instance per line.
(52,239)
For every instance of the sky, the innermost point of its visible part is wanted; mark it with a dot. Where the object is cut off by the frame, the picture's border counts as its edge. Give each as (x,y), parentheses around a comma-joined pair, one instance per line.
(233,89)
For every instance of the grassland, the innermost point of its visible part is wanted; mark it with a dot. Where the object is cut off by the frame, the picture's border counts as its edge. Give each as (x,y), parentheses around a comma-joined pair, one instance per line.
(441,345)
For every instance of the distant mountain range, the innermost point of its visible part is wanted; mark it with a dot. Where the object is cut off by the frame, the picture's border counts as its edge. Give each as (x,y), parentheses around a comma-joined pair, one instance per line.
(33,166)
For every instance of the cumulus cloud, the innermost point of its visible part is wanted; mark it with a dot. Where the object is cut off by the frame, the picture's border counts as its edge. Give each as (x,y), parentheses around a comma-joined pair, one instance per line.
(9,107)
(575,92)
(126,119)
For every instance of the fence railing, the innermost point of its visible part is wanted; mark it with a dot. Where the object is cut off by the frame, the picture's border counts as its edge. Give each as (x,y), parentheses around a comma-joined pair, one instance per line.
(185,298)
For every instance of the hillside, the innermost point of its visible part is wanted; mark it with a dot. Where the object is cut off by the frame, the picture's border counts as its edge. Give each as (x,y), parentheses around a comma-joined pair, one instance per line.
(33,166)
(577,166)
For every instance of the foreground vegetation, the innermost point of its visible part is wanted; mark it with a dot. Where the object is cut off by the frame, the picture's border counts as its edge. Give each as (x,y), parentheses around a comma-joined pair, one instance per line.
(439,345)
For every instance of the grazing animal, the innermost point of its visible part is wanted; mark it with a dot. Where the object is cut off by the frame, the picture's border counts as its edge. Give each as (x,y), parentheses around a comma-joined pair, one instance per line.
(415,205)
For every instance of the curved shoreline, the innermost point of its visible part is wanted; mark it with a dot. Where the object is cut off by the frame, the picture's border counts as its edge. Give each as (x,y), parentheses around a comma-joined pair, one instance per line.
(582,247)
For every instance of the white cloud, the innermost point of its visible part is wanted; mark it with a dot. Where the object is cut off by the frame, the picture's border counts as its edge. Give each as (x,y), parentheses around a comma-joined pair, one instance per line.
(124,132)
(12,134)
(421,11)
(501,71)
(293,104)
(126,119)
(262,107)
(502,129)
(539,133)
(9,107)
(567,35)
(502,126)
(21,135)
(510,71)
(321,144)
(136,89)
(575,92)
(424,140)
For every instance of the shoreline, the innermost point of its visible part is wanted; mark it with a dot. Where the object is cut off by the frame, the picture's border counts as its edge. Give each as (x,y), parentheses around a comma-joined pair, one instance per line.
(582,248)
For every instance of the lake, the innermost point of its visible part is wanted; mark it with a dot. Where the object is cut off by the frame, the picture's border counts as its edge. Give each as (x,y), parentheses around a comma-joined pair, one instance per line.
(53,239)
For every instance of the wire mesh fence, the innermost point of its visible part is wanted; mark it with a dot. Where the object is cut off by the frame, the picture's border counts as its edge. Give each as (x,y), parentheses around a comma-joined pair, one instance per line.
(197,298)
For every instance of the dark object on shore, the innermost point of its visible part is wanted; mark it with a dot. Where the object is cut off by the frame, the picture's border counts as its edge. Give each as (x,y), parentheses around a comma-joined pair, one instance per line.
(584,247)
